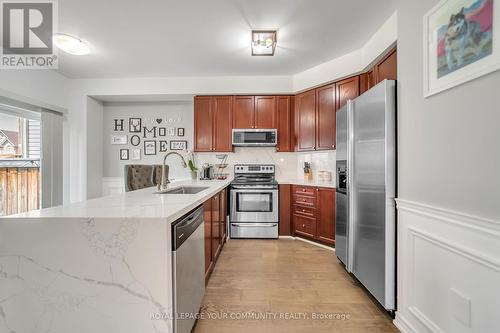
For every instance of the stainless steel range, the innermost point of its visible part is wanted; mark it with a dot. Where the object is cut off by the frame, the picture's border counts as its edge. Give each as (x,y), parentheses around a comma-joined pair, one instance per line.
(254,202)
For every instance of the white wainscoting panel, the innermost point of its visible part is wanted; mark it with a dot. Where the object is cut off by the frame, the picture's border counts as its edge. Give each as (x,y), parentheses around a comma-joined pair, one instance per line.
(448,271)
(112,185)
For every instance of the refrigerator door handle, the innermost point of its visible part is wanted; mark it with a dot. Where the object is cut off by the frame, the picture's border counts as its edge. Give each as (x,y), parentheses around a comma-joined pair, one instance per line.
(350,186)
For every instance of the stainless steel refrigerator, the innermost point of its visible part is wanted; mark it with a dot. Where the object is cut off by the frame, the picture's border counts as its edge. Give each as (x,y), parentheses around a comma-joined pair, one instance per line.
(366,189)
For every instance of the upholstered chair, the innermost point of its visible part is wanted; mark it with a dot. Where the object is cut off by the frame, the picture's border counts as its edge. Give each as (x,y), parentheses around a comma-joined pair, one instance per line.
(139,176)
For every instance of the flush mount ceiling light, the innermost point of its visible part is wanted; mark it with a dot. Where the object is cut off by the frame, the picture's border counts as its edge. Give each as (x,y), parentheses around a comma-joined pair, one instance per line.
(263,42)
(71,44)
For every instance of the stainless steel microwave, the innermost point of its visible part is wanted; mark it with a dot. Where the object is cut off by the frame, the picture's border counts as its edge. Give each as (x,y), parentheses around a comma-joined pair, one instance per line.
(251,137)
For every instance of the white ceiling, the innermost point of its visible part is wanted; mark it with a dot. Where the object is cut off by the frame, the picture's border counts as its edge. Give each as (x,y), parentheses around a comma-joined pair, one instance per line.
(161,38)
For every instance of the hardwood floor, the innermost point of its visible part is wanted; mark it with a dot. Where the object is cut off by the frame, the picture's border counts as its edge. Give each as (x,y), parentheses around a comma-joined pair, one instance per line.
(285,277)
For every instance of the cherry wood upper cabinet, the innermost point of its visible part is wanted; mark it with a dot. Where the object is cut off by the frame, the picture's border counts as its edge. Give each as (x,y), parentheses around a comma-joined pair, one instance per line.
(347,89)
(371,79)
(305,120)
(222,120)
(284,119)
(387,68)
(265,112)
(325,117)
(325,206)
(363,83)
(212,123)
(203,123)
(244,115)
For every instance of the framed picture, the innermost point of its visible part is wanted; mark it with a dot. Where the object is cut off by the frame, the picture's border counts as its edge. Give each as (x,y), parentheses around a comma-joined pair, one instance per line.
(163,146)
(118,139)
(178,145)
(135,125)
(149,147)
(461,43)
(162,131)
(171,131)
(136,154)
(123,154)
(180,131)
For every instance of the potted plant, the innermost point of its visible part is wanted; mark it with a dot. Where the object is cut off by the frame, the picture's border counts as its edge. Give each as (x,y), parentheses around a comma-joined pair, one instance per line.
(192,166)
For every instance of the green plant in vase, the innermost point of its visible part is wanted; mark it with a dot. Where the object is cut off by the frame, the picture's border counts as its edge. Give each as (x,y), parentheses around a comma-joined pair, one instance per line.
(192,166)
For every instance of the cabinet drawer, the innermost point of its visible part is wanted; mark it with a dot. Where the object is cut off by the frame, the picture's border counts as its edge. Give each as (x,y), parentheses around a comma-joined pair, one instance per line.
(304,190)
(303,200)
(303,210)
(304,225)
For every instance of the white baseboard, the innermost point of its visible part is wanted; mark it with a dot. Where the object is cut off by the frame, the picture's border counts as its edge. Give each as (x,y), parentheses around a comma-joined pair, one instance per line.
(112,185)
(308,241)
(402,324)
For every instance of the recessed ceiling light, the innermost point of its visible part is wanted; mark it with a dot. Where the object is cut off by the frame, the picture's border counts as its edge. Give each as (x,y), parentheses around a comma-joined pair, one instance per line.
(71,44)
(263,42)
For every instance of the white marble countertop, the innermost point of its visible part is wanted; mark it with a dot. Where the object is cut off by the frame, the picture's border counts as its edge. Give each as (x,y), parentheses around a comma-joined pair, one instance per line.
(141,203)
(306,182)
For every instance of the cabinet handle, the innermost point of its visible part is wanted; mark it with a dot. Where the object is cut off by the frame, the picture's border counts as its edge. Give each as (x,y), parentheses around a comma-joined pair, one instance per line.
(317,190)
(303,226)
(303,190)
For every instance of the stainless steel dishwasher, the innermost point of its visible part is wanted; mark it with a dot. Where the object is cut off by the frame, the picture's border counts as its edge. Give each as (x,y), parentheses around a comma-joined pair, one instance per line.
(188,245)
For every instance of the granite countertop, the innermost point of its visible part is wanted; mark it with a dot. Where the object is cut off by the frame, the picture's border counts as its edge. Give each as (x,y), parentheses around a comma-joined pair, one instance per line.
(313,182)
(143,203)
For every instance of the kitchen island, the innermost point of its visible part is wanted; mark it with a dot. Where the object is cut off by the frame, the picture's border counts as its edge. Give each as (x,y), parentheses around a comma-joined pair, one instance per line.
(103,265)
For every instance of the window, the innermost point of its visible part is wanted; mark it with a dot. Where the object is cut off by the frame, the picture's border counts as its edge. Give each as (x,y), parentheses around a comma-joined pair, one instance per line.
(19,163)
(19,138)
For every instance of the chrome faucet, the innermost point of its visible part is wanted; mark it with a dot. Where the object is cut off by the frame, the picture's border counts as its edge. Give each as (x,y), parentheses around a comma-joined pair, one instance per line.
(162,186)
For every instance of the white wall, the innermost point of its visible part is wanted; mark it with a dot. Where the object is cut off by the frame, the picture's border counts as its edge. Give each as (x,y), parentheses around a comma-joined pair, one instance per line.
(180,114)
(94,148)
(43,88)
(449,190)
(352,63)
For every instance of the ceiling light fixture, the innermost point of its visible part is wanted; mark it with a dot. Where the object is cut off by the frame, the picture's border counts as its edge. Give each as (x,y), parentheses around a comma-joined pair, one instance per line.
(263,42)
(71,44)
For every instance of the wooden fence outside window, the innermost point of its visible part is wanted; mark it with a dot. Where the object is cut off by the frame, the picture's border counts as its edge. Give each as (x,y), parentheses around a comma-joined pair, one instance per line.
(19,189)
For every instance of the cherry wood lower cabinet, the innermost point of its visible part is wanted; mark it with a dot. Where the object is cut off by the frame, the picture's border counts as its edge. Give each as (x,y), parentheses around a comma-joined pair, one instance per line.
(215,229)
(313,213)
(285,219)
(325,210)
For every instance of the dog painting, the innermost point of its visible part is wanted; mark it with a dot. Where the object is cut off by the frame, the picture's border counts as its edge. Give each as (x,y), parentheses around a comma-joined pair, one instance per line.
(464,36)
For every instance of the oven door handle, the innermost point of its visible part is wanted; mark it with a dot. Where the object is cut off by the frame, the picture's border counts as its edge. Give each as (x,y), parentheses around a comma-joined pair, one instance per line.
(266,190)
(254,224)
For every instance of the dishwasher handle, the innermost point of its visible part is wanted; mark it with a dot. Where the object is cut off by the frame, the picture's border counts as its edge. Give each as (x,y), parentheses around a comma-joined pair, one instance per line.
(185,226)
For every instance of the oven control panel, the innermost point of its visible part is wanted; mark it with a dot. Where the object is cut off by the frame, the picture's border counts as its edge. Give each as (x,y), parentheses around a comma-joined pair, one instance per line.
(254,168)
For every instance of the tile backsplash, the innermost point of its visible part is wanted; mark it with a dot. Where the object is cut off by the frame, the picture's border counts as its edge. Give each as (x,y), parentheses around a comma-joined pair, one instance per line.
(288,165)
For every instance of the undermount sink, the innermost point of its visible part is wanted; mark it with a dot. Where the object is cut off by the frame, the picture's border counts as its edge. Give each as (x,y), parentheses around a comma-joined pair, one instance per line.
(184,190)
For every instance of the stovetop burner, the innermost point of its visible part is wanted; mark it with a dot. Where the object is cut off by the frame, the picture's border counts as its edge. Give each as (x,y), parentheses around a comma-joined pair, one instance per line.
(254,174)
